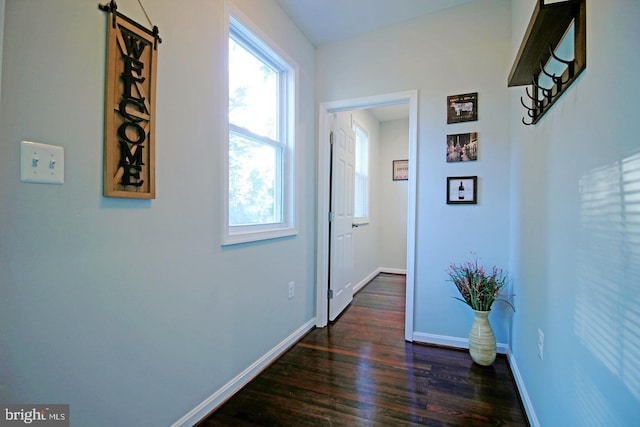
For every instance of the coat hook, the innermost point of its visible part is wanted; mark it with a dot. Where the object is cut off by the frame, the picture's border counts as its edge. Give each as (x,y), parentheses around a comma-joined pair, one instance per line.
(529,110)
(570,64)
(538,102)
(556,79)
(546,92)
(558,59)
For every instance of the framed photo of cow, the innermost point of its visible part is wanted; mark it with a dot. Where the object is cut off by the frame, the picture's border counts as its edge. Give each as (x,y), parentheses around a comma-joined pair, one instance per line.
(462,108)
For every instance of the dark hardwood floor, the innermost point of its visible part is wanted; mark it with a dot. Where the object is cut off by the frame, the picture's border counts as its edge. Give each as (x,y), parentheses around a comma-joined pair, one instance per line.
(359,371)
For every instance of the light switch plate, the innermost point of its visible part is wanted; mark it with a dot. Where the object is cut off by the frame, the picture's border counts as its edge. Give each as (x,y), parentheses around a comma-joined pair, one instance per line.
(41,163)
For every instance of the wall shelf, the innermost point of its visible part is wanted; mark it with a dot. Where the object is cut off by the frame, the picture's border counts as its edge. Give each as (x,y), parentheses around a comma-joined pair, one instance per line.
(548,25)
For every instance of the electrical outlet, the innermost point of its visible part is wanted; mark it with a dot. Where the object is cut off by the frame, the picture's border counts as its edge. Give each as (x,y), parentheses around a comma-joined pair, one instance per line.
(292,289)
(540,344)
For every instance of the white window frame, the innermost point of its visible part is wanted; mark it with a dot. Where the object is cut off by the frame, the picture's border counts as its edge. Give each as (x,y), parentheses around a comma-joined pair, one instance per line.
(251,35)
(361,220)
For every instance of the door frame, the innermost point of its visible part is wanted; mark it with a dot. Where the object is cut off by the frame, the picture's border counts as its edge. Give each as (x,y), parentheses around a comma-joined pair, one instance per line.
(323,192)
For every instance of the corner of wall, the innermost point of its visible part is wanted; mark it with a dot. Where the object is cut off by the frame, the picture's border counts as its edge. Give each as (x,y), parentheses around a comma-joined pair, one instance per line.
(524,395)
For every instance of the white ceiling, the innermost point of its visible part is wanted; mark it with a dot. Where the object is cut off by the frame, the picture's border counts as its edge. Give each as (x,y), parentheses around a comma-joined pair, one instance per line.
(327,21)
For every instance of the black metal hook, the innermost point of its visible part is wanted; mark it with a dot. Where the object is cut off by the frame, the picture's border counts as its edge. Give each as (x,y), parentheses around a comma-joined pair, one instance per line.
(570,64)
(557,58)
(108,7)
(538,103)
(156,37)
(528,124)
(557,80)
(529,109)
(548,93)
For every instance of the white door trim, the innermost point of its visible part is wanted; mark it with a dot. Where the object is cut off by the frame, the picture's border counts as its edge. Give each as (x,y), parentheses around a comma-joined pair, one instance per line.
(323,187)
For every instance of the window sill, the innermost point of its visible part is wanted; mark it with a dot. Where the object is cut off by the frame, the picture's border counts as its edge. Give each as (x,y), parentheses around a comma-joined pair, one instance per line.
(238,237)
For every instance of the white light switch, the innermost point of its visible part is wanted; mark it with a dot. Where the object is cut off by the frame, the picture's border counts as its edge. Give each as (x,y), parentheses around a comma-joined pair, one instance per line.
(41,163)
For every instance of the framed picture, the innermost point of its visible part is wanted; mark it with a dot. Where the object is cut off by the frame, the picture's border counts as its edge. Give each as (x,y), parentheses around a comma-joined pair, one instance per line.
(462,147)
(462,190)
(462,108)
(400,170)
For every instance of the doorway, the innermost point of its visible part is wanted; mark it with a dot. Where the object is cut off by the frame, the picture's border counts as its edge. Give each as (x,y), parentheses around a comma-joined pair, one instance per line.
(326,109)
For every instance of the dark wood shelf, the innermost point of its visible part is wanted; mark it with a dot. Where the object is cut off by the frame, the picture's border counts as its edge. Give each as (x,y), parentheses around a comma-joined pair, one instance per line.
(548,25)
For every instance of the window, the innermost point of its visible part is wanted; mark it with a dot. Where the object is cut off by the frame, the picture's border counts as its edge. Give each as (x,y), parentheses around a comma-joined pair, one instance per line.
(361,199)
(259,199)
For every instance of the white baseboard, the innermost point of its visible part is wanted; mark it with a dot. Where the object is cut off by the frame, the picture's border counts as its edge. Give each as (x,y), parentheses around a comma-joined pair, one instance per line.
(526,401)
(392,270)
(229,389)
(366,280)
(455,342)
(372,275)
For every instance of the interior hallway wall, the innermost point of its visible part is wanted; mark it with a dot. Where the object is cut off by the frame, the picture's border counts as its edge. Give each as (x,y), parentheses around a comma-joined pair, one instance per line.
(382,242)
(366,257)
(1,39)
(459,50)
(394,145)
(130,310)
(576,222)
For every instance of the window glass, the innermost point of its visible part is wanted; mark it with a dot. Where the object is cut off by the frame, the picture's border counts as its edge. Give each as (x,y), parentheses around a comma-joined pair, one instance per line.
(253,92)
(253,182)
(259,157)
(361,199)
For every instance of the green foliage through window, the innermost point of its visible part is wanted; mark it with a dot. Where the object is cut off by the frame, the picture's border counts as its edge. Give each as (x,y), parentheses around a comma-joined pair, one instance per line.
(260,146)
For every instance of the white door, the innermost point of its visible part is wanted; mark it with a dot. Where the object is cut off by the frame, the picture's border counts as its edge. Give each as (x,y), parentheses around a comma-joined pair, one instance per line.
(341,231)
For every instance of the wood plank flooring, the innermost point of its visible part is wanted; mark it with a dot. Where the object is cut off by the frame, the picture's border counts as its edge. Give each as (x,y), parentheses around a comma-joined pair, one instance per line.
(360,371)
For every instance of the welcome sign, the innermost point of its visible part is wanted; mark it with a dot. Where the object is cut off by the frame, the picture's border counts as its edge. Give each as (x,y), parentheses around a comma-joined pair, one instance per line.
(129,142)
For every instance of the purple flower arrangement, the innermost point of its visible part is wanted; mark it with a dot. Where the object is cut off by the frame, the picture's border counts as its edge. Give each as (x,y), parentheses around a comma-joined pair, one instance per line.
(478,287)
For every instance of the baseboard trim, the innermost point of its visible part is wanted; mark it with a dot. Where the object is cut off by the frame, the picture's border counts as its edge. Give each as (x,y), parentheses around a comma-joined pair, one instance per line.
(229,389)
(463,343)
(392,270)
(375,272)
(524,396)
(366,280)
(449,341)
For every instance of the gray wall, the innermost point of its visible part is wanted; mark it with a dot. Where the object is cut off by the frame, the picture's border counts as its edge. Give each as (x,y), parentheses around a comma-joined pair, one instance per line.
(438,61)
(130,310)
(575,240)
(382,243)
(366,258)
(1,39)
(394,145)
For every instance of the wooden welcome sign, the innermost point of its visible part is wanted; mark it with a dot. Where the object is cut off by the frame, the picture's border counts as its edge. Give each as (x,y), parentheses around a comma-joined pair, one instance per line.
(129,141)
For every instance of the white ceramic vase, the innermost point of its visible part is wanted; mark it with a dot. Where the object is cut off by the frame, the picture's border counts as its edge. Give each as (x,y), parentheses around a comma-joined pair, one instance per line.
(482,341)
